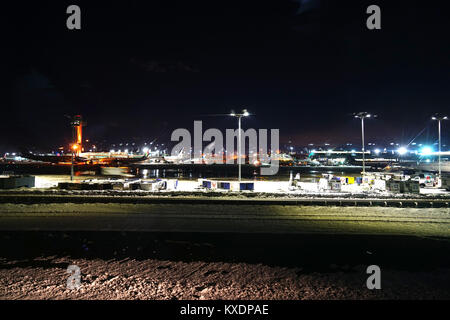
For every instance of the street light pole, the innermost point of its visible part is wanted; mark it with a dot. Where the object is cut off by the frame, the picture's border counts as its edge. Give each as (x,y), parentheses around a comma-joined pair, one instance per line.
(439,118)
(239,146)
(362,116)
(244,113)
(71,168)
(363,146)
(439,130)
(72,150)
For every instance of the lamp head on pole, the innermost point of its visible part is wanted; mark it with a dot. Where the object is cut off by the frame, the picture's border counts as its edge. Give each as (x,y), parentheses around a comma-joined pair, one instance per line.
(363,115)
(439,117)
(244,113)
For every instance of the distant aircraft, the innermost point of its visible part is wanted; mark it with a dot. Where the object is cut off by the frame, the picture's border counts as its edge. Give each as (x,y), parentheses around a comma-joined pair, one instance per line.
(176,159)
(88,158)
(53,158)
(112,158)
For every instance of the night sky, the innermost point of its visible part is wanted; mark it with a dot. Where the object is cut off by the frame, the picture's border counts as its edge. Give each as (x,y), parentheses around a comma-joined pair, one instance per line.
(140,69)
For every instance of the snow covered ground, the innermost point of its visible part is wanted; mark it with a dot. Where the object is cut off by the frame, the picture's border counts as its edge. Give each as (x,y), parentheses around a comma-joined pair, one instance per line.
(46,278)
(152,270)
(243,218)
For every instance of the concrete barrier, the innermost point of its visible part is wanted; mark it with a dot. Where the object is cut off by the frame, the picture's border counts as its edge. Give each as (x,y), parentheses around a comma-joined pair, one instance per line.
(13,182)
(30,199)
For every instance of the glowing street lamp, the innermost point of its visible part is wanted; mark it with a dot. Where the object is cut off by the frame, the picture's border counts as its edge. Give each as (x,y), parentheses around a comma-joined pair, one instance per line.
(244,113)
(362,116)
(439,118)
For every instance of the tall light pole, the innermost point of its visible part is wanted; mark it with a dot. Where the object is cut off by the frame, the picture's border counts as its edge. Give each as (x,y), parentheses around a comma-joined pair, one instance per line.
(71,168)
(439,118)
(362,116)
(239,116)
(73,148)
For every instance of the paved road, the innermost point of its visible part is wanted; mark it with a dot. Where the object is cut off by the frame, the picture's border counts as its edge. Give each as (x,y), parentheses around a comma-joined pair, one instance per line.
(226,218)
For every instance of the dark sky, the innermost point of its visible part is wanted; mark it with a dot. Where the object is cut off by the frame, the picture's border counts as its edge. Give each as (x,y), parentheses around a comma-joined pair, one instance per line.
(139,69)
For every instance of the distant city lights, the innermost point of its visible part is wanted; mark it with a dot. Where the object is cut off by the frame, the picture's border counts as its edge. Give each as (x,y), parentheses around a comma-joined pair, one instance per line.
(402,150)
(426,151)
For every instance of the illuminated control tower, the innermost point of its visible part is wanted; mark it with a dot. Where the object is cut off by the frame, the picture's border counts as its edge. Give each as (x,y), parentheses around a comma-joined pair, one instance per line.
(77,124)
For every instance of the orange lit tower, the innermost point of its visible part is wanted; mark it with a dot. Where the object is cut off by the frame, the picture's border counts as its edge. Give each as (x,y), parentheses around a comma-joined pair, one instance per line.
(77,124)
